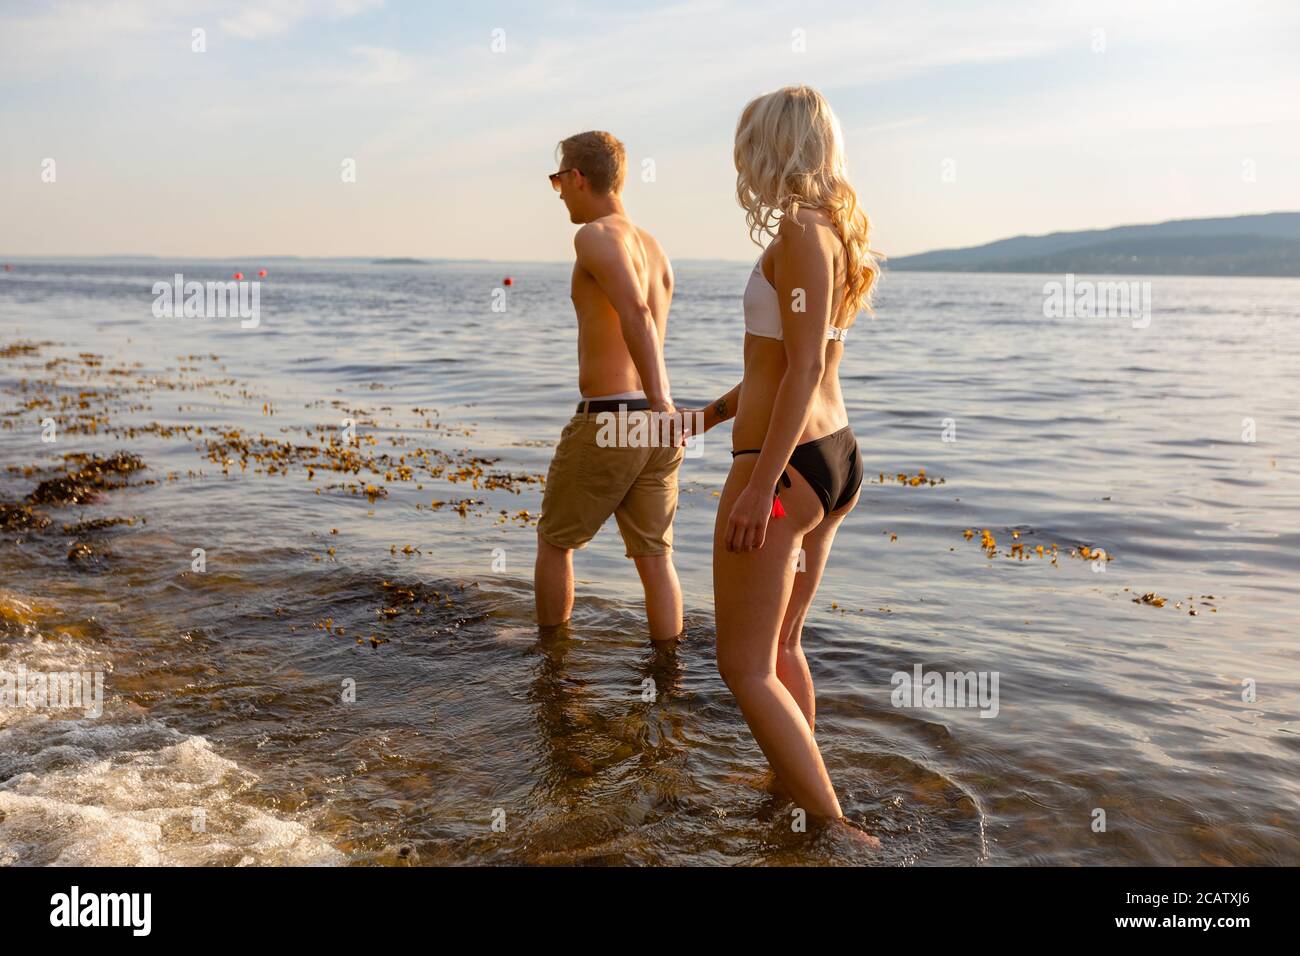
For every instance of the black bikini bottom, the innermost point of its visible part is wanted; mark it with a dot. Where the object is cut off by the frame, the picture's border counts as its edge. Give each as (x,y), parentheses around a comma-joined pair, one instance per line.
(831,465)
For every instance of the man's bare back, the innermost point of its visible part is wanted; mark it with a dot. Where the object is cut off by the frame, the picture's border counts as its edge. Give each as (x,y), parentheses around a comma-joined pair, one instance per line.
(614,253)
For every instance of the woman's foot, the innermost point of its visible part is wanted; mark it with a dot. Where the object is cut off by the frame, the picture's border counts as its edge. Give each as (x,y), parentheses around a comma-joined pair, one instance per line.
(857,835)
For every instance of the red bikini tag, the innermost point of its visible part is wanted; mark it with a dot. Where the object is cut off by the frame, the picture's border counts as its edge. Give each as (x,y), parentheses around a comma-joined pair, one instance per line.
(778,509)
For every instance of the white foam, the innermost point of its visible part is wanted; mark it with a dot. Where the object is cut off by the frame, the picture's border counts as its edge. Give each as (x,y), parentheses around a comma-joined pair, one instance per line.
(124,789)
(140,809)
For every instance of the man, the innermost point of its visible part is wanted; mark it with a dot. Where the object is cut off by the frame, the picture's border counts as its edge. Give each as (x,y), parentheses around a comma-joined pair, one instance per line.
(622,286)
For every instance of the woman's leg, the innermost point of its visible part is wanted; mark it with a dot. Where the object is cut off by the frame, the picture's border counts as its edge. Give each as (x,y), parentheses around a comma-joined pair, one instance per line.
(751,591)
(791,665)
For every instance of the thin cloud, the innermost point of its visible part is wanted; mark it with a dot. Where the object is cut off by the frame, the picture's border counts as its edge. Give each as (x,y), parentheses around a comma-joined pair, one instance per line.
(893,125)
(273,17)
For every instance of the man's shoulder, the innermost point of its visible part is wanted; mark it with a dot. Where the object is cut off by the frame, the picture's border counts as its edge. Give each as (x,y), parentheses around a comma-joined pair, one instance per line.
(650,247)
(649,241)
(599,232)
(618,234)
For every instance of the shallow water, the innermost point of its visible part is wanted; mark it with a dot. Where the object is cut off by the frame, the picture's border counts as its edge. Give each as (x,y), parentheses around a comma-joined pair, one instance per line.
(223,687)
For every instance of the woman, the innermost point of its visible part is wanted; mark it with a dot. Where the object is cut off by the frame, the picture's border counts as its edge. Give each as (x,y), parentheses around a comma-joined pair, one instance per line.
(795,471)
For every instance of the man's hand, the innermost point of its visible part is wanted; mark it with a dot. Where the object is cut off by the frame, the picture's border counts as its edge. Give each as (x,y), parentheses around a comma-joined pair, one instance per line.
(691,421)
(666,421)
(682,424)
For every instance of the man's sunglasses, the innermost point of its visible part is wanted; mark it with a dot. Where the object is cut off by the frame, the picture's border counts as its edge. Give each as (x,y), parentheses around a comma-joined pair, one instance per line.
(555,177)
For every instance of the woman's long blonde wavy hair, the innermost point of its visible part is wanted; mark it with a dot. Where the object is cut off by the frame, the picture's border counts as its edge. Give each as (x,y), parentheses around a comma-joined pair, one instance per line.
(790,153)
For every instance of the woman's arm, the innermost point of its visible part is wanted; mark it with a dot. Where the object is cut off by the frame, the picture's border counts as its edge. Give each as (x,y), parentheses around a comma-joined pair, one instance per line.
(804,269)
(724,409)
(715,413)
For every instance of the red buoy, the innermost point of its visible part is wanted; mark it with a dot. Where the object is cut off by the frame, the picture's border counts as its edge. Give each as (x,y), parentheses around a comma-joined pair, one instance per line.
(239,276)
(261,273)
(507,281)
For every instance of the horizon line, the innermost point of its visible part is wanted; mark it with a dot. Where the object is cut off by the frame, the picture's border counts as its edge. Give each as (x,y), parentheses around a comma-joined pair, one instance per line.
(422,260)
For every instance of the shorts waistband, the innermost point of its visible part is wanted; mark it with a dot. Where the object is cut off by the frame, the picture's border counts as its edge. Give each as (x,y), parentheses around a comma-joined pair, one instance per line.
(595,407)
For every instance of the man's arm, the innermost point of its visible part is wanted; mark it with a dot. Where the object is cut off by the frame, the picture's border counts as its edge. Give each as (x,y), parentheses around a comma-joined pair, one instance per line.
(602,253)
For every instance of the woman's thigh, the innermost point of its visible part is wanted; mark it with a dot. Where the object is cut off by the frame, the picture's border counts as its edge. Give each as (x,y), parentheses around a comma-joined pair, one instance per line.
(813,554)
(752,588)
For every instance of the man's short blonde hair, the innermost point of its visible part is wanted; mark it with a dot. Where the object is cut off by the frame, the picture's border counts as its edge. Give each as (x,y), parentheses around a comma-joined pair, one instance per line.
(600,157)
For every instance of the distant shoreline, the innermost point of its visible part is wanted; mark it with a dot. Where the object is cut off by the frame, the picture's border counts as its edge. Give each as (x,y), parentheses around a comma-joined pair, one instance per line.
(1085,271)
(1258,246)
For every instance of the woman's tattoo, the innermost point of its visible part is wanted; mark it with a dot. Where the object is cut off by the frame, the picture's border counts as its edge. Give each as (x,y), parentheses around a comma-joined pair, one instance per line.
(720,407)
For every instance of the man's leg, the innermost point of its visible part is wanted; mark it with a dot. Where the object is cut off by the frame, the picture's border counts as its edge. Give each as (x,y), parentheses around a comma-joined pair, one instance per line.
(566,519)
(553,583)
(663,595)
(645,519)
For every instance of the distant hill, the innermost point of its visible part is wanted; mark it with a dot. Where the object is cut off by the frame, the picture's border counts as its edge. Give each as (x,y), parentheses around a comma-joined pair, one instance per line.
(1264,245)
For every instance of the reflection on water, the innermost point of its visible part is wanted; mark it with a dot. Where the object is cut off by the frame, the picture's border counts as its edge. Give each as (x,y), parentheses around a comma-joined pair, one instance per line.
(345,671)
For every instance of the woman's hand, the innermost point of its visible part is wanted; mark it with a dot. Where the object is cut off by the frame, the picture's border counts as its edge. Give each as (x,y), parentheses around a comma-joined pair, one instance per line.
(747,524)
(692,422)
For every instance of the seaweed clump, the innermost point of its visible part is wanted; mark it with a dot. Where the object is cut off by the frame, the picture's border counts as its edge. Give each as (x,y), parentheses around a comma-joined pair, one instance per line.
(15,517)
(84,485)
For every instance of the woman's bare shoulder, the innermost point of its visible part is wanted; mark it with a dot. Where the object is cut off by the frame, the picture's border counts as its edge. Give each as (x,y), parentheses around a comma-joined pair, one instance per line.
(811,234)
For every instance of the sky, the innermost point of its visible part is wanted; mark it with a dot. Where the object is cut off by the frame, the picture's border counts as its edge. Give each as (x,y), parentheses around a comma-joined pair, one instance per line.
(964,122)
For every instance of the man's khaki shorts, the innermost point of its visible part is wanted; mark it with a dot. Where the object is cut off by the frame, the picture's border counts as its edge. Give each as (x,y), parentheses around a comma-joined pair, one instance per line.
(587,483)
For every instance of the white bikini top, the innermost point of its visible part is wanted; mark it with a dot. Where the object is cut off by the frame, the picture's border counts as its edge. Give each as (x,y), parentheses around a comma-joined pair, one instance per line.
(763,308)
